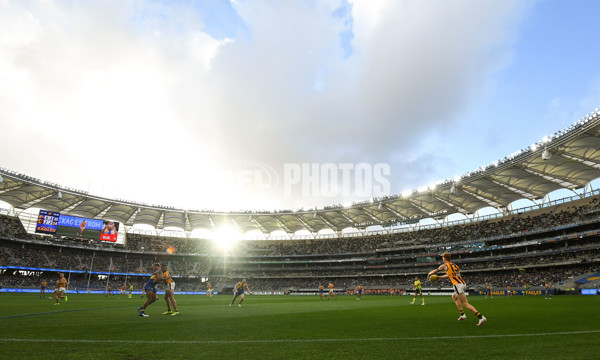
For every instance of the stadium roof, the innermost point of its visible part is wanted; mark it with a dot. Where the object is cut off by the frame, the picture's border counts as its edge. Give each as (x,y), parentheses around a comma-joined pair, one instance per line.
(569,159)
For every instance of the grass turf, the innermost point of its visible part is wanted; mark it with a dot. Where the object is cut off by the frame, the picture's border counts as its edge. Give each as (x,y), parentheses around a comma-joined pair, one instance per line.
(276,327)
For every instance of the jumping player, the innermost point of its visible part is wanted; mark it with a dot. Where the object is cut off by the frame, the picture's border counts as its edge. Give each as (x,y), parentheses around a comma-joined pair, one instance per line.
(239,291)
(150,289)
(417,288)
(459,296)
(169,292)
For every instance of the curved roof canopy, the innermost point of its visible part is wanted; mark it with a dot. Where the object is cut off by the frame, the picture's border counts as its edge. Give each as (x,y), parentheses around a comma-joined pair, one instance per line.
(569,159)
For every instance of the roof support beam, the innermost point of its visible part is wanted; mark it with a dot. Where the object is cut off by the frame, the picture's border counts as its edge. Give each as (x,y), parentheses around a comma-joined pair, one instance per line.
(451,204)
(422,209)
(308,227)
(587,162)
(403,217)
(331,226)
(372,216)
(490,202)
(558,181)
(514,189)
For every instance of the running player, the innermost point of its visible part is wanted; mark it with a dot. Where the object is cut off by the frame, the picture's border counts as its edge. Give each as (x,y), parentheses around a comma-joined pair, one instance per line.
(321,291)
(81,228)
(331,292)
(508,292)
(60,288)
(209,290)
(169,292)
(459,296)
(43,289)
(239,291)
(417,288)
(122,290)
(150,289)
(548,292)
(130,291)
(488,291)
(359,291)
(108,291)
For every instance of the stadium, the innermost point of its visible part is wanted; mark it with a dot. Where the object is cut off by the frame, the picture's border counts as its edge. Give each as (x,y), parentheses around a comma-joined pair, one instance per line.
(515,252)
(278,180)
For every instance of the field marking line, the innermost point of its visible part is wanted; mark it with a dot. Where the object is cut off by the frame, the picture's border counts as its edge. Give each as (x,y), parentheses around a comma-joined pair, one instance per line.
(117,341)
(62,311)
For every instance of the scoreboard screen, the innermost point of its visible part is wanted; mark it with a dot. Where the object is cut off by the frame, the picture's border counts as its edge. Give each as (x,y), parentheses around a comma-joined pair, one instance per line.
(78,227)
(47,222)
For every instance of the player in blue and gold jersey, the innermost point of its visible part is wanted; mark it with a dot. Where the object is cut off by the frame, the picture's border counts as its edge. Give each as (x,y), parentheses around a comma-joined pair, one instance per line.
(321,291)
(43,288)
(238,290)
(460,287)
(548,292)
(169,292)
(359,291)
(150,288)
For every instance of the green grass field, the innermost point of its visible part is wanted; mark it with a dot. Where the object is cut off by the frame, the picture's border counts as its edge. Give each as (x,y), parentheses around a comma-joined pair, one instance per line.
(302,327)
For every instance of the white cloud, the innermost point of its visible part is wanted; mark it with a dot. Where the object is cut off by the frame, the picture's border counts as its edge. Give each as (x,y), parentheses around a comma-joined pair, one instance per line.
(137,97)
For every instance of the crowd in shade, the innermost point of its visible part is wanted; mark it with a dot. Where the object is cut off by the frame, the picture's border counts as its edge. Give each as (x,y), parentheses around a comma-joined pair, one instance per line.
(516,224)
(405,254)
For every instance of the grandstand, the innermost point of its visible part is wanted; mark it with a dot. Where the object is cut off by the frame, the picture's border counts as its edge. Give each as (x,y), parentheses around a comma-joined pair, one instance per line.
(552,242)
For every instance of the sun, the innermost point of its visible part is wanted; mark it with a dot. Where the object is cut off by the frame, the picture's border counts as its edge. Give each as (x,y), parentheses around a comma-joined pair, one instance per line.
(226,237)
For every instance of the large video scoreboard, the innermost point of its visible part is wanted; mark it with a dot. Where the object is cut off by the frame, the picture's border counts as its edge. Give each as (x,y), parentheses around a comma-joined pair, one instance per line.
(54,223)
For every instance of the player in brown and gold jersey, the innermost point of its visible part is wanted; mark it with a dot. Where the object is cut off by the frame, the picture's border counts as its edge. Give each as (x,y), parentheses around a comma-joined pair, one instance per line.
(60,288)
(460,287)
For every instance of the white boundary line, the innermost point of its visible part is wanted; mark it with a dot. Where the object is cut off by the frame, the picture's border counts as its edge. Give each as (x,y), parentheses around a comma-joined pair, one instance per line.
(117,341)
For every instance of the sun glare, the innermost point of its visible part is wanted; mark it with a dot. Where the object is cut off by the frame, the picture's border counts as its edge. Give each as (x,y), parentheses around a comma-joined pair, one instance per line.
(225,238)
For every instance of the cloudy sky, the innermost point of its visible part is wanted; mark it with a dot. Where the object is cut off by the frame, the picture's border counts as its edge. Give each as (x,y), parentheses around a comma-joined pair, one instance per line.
(263,104)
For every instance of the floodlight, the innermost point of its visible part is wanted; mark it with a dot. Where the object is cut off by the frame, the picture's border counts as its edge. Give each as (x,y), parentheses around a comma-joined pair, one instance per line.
(453,189)
(1,179)
(546,155)
(314,215)
(380,206)
(59,195)
(139,210)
